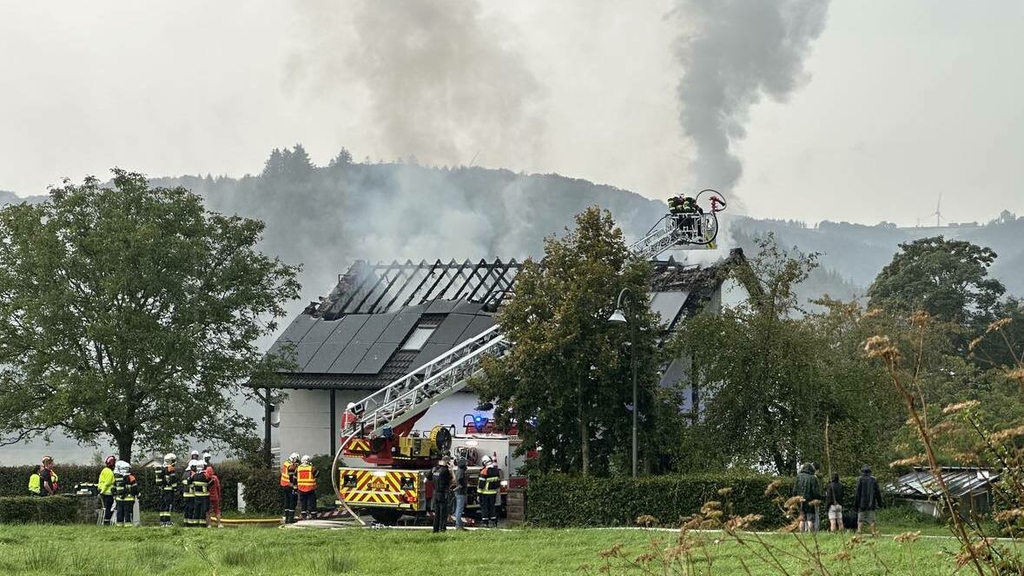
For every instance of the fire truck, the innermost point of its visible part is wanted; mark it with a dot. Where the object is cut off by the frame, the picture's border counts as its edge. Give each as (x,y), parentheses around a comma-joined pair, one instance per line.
(383,464)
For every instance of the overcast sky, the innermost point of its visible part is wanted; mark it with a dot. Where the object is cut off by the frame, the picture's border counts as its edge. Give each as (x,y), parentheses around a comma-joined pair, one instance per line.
(899,100)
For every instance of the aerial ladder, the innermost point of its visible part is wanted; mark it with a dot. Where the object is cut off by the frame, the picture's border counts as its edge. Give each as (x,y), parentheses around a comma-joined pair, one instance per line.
(389,414)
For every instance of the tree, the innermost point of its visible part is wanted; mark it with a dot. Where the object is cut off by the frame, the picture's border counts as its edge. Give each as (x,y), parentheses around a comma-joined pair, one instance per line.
(773,378)
(948,279)
(131,313)
(569,371)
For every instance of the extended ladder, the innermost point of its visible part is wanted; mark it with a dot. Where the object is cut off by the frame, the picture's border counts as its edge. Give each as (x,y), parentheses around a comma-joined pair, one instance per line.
(684,231)
(415,392)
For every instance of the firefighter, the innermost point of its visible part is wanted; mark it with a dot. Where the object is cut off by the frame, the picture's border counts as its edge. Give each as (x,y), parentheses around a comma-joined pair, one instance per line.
(199,485)
(126,490)
(441,475)
(188,496)
(213,513)
(167,484)
(289,484)
(487,488)
(105,485)
(306,478)
(349,418)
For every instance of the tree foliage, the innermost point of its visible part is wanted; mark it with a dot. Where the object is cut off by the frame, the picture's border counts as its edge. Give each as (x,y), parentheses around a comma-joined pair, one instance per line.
(569,371)
(948,279)
(772,378)
(131,313)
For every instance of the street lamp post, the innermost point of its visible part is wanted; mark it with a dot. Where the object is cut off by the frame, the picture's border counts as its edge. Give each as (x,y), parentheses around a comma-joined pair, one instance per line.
(618,317)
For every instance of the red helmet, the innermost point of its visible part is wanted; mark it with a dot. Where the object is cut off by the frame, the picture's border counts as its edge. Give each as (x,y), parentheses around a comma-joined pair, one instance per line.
(110,460)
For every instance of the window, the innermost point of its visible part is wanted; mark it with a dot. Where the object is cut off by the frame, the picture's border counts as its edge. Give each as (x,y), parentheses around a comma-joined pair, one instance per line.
(418,338)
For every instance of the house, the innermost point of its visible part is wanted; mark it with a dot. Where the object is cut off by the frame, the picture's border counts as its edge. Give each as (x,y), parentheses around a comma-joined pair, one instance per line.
(383,321)
(971,488)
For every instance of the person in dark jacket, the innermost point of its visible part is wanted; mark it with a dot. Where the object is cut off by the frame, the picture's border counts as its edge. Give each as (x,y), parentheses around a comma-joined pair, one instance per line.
(442,478)
(834,502)
(461,486)
(808,487)
(868,499)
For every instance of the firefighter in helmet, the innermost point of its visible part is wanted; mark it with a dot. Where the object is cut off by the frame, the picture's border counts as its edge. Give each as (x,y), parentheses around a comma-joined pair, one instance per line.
(199,485)
(487,486)
(188,495)
(167,484)
(306,478)
(105,485)
(289,486)
(126,490)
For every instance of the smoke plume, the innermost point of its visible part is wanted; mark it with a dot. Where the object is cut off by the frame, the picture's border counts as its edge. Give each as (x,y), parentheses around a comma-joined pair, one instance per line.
(732,52)
(442,83)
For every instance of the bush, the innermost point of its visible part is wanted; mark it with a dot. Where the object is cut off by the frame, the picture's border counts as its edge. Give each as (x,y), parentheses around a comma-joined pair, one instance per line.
(262,491)
(48,510)
(558,500)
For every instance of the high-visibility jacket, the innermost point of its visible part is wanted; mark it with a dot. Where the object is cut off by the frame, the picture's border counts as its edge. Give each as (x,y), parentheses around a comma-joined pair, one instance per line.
(287,475)
(489,480)
(106,482)
(166,478)
(186,486)
(126,488)
(199,484)
(34,486)
(306,476)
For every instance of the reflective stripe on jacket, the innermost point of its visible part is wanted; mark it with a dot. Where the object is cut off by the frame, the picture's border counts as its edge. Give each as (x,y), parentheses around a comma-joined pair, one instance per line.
(306,478)
(489,480)
(286,475)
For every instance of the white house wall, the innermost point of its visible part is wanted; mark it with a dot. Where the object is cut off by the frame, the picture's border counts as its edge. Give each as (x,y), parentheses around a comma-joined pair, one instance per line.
(305,418)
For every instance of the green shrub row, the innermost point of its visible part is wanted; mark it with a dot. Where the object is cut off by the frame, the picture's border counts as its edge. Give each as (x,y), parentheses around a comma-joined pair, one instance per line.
(25,509)
(558,500)
(261,485)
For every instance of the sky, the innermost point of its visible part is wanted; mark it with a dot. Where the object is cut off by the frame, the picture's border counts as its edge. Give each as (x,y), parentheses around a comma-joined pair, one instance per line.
(891,103)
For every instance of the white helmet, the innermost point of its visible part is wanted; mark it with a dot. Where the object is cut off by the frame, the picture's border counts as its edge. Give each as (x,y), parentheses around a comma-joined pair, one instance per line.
(485,460)
(194,454)
(350,406)
(306,459)
(122,468)
(207,457)
(195,464)
(294,457)
(170,458)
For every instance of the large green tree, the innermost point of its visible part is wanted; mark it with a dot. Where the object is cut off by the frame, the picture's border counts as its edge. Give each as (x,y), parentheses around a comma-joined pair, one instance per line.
(948,279)
(131,313)
(567,380)
(772,377)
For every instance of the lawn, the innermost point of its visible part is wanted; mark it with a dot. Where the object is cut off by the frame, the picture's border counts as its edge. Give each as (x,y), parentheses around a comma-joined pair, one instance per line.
(92,550)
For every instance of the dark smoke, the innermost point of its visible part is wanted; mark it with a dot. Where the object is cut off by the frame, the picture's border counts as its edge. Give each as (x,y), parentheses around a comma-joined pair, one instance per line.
(732,52)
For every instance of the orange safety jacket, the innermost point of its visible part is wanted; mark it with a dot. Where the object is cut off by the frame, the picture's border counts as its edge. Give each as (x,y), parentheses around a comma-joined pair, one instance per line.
(286,474)
(307,478)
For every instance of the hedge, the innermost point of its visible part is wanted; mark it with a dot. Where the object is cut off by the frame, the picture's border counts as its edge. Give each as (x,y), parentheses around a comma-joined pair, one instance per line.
(559,500)
(49,510)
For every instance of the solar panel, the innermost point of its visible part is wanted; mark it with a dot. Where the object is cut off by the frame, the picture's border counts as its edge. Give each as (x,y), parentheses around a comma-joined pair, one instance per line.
(375,358)
(476,326)
(428,353)
(450,329)
(367,336)
(441,306)
(296,330)
(329,351)
(399,328)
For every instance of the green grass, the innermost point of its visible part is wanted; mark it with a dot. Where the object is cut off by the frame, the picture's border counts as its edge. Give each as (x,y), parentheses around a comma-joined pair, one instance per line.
(91,550)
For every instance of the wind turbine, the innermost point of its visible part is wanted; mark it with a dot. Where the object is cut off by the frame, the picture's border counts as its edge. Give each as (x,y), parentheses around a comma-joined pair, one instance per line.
(938,212)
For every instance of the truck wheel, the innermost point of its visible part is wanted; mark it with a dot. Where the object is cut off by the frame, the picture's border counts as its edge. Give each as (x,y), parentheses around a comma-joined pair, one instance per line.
(386,517)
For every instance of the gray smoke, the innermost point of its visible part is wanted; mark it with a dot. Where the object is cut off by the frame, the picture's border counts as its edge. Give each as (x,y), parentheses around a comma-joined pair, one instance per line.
(732,52)
(442,83)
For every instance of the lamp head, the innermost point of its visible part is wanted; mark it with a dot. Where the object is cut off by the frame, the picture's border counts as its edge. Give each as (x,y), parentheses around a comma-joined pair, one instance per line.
(617,317)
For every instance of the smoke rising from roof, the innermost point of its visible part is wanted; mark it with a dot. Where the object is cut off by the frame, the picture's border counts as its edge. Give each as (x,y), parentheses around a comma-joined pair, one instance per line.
(442,84)
(732,52)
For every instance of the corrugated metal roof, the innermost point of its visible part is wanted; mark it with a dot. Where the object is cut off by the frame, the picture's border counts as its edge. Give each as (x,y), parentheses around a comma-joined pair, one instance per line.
(921,483)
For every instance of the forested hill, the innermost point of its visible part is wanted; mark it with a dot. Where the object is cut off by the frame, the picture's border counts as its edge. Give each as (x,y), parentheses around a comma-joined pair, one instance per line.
(326,217)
